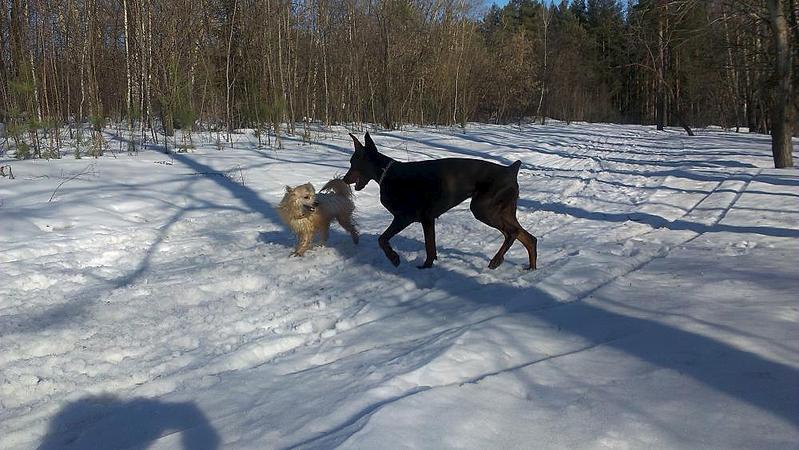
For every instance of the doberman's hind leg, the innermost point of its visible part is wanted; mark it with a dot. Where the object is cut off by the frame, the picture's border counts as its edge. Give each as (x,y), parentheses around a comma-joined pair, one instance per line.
(530,243)
(398,224)
(429,227)
(499,214)
(513,230)
(484,207)
(499,257)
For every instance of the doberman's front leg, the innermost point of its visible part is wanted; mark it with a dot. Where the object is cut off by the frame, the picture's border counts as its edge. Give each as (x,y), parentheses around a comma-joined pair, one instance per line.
(429,227)
(398,224)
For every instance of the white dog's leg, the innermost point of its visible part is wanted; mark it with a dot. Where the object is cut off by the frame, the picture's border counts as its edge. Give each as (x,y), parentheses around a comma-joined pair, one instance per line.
(324,232)
(346,223)
(303,244)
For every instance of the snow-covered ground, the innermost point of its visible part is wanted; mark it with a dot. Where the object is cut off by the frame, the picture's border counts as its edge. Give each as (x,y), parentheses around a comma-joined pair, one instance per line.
(152,303)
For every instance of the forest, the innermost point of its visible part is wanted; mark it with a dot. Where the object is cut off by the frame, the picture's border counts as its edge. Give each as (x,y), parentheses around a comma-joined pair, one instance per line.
(183,264)
(273,65)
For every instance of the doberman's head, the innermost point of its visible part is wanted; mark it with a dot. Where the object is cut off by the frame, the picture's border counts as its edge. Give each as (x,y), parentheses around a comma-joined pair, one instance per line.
(363,164)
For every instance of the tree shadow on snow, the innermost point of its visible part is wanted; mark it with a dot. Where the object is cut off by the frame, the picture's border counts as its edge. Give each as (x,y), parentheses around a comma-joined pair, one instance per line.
(654,220)
(764,383)
(746,376)
(743,375)
(78,303)
(106,422)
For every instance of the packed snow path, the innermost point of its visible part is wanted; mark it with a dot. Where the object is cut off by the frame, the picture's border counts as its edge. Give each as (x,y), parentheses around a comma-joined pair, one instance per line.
(150,302)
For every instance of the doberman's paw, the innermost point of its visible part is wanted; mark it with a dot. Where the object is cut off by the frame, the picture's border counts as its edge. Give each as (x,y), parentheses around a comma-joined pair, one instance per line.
(495,263)
(394,258)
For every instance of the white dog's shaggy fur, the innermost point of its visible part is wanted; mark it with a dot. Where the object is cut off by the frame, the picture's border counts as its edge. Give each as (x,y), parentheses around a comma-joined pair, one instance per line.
(307,213)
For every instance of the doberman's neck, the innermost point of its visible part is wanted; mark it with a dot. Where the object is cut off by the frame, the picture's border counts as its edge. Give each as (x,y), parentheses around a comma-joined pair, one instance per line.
(382,162)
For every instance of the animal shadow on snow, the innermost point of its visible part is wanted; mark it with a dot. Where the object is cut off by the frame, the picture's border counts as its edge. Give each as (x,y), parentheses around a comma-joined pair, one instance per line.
(286,238)
(106,422)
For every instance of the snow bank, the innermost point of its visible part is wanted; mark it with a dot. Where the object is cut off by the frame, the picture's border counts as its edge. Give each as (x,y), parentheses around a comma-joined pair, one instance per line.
(152,302)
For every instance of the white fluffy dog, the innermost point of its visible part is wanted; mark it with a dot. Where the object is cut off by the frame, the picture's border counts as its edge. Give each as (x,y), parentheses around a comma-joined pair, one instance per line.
(307,213)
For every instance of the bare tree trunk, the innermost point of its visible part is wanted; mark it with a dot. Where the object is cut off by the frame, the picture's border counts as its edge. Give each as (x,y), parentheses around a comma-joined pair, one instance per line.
(546,15)
(228,85)
(142,70)
(128,80)
(149,85)
(295,89)
(82,71)
(782,113)
(385,84)
(324,42)
(661,69)
(283,85)
(41,43)
(4,73)
(30,45)
(458,68)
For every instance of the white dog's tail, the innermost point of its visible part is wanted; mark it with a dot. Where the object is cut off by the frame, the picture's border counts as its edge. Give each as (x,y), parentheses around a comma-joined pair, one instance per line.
(338,186)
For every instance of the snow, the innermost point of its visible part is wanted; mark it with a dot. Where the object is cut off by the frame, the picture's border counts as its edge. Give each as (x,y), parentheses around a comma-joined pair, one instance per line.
(152,302)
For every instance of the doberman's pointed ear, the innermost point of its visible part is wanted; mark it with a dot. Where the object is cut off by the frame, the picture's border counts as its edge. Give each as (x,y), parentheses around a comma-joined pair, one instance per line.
(370,144)
(357,143)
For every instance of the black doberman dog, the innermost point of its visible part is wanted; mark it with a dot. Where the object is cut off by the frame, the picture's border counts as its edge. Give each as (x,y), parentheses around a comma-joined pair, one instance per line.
(421,191)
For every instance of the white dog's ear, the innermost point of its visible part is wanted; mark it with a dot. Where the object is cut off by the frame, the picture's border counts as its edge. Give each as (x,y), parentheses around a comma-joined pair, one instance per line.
(288,189)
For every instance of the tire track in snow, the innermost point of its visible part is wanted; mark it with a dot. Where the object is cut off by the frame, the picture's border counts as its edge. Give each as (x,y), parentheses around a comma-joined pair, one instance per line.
(671,238)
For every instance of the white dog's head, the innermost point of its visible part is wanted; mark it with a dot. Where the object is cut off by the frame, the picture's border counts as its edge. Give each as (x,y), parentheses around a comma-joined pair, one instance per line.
(301,199)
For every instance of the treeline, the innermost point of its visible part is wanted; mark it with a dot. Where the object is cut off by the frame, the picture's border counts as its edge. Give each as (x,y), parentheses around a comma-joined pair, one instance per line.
(260,63)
